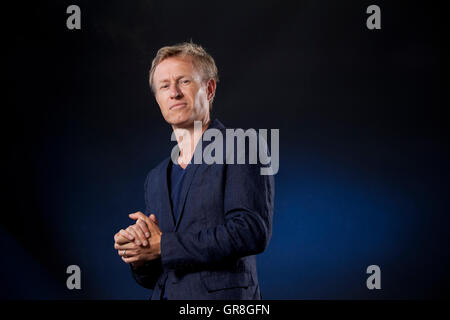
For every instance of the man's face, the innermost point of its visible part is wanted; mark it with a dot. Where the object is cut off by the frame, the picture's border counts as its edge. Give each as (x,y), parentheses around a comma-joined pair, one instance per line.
(179,91)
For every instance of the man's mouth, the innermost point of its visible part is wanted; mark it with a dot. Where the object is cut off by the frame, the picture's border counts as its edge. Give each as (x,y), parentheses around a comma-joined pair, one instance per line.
(178,106)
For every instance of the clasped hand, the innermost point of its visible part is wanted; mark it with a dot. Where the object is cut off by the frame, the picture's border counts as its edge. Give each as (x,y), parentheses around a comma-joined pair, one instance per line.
(139,242)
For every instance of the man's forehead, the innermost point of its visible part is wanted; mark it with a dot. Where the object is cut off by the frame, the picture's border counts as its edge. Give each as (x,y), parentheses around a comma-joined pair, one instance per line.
(175,66)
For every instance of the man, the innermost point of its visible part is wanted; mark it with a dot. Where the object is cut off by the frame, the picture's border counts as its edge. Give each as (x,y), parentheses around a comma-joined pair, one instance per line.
(203,223)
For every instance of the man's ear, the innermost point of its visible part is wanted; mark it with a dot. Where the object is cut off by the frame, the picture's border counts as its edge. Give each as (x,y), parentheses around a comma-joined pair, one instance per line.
(211,89)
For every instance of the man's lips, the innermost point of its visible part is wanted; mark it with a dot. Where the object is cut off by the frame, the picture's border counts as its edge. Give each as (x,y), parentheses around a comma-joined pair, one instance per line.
(178,106)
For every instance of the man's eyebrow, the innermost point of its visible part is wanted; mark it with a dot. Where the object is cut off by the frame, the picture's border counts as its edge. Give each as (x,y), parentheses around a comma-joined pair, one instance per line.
(177,78)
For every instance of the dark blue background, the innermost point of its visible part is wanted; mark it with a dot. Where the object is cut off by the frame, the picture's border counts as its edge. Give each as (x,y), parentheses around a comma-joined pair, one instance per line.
(363,177)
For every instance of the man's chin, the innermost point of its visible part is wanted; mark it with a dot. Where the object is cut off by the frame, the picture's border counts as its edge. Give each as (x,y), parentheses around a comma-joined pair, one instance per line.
(181,122)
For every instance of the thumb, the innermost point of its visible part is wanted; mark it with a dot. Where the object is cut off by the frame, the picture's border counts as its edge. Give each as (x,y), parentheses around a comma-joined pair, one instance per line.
(133,216)
(137,215)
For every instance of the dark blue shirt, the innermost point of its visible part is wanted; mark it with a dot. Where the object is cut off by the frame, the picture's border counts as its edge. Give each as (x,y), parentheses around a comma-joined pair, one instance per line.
(177,174)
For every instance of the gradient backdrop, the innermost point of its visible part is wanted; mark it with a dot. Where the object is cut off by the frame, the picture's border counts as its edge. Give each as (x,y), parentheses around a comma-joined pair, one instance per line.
(364,175)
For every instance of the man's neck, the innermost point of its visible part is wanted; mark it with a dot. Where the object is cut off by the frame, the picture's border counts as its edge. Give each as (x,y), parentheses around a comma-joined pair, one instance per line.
(187,139)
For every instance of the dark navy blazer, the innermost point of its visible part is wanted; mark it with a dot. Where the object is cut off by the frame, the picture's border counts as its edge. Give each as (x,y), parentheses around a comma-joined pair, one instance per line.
(226,219)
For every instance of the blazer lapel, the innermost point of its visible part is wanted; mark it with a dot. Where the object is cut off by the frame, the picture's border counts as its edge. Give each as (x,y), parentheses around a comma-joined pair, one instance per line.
(191,173)
(185,189)
(166,217)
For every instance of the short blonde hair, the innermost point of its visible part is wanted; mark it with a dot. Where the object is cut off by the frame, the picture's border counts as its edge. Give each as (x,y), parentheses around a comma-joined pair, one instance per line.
(202,61)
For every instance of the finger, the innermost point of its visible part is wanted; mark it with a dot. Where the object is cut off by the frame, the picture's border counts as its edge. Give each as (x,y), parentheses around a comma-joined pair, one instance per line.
(153,227)
(119,238)
(137,215)
(140,236)
(153,218)
(131,230)
(123,237)
(131,259)
(127,253)
(143,226)
(126,246)
(127,235)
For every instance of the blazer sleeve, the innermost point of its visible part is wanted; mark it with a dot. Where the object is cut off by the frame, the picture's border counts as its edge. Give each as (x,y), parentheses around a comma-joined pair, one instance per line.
(148,274)
(248,205)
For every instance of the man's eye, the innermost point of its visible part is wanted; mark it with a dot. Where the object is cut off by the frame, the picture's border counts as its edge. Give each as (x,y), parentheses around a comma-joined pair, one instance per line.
(186,81)
(164,86)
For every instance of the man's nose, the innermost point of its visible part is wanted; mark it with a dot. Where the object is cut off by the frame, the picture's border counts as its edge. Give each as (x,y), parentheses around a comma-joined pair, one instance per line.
(175,91)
